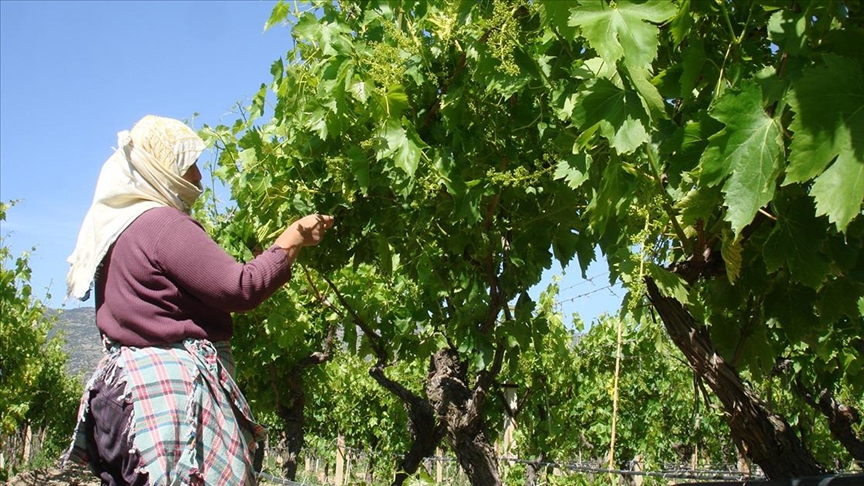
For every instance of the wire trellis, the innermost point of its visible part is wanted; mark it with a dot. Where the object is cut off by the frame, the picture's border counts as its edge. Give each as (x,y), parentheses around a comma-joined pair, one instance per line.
(669,472)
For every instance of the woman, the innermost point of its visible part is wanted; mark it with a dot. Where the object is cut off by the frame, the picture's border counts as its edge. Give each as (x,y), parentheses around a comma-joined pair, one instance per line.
(162,407)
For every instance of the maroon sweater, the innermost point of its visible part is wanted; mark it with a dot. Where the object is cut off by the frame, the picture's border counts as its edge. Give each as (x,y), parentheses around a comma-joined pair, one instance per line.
(165,280)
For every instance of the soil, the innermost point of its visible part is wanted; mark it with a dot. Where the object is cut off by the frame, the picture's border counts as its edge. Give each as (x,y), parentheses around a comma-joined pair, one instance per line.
(73,475)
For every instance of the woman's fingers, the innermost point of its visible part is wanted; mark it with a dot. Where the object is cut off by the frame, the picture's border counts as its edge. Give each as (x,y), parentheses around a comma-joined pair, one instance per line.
(313,226)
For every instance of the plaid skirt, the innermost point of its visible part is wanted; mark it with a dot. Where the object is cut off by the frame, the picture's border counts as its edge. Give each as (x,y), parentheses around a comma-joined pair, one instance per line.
(168,415)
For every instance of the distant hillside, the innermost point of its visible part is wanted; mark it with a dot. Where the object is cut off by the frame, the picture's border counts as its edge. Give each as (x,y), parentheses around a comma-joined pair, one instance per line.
(83,344)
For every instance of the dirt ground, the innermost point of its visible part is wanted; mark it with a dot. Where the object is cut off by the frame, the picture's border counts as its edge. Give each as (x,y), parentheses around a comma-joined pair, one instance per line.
(72,476)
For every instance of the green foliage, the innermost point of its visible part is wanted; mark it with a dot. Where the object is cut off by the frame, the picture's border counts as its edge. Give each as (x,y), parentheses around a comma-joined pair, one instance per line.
(35,389)
(566,385)
(623,30)
(747,151)
(346,400)
(715,146)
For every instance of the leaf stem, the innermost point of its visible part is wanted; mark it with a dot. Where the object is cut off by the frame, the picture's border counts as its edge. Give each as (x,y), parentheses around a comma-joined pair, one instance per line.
(718,89)
(740,38)
(728,21)
(667,203)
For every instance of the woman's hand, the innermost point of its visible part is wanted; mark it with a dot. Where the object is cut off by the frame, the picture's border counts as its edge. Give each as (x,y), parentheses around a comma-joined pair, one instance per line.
(306,231)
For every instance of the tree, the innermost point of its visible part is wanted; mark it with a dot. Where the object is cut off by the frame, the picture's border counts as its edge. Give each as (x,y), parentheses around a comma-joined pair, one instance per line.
(568,384)
(36,393)
(711,150)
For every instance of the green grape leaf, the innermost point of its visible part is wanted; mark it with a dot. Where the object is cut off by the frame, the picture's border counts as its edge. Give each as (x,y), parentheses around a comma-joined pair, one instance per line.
(792,305)
(795,242)
(683,21)
(668,283)
(731,251)
(277,15)
(565,243)
(399,146)
(396,100)
(698,204)
(557,13)
(746,154)
(623,29)
(573,169)
(651,99)
(694,60)
(839,191)
(829,123)
(330,37)
(838,298)
(786,29)
(618,112)
(359,167)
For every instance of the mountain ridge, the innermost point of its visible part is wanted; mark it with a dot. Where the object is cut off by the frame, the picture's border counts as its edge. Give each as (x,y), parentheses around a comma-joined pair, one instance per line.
(81,339)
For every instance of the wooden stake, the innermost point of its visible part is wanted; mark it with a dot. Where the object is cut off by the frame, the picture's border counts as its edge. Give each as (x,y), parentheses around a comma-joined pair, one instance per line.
(340,460)
(615,399)
(509,421)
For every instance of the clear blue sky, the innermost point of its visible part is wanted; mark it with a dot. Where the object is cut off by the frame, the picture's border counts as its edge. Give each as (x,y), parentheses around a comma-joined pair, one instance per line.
(74,73)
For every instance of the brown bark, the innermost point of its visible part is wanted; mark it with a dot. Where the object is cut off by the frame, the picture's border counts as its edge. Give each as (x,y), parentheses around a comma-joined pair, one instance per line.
(290,403)
(841,419)
(767,437)
(426,432)
(460,409)
(532,471)
(291,412)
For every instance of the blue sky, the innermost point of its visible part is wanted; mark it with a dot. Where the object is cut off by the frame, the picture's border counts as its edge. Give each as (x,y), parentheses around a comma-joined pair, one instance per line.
(74,73)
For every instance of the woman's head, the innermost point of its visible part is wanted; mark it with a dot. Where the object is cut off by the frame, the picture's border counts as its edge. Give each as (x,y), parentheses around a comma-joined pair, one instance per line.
(171,142)
(164,152)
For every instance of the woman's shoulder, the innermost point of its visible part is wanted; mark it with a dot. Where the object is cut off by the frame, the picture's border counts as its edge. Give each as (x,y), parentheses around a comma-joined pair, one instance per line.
(163,217)
(164,214)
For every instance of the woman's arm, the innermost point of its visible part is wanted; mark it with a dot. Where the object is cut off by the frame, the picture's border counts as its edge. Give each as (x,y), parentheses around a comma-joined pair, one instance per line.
(196,264)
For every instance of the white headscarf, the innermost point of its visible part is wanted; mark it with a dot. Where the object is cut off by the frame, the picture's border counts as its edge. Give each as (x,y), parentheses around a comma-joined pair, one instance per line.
(144,172)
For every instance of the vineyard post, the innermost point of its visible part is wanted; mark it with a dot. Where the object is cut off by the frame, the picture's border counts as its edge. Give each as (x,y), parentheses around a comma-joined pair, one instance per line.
(637,466)
(509,418)
(28,439)
(439,467)
(340,460)
(615,397)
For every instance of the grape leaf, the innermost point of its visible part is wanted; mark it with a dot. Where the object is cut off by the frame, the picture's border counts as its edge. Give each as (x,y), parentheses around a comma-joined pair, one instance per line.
(839,191)
(651,99)
(669,284)
(795,242)
(278,15)
(573,169)
(557,13)
(731,251)
(618,113)
(829,122)
(792,305)
(746,154)
(694,60)
(698,204)
(622,29)
(838,299)
(786,29)
(399,146)
(681,24)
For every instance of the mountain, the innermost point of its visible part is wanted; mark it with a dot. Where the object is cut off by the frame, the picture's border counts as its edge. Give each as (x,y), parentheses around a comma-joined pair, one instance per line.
(82,341)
